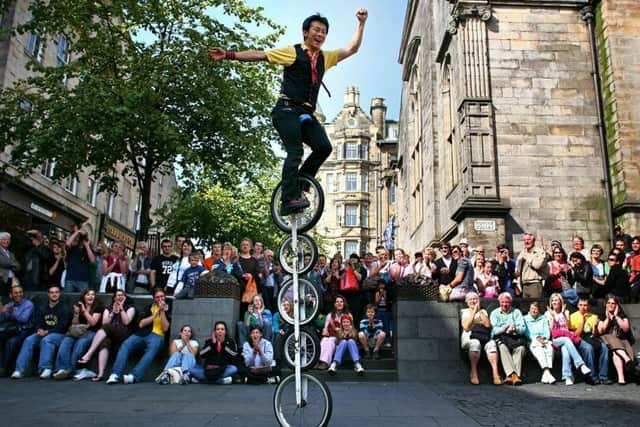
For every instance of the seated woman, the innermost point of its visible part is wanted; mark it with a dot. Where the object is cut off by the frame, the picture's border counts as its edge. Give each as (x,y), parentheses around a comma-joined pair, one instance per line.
(475,316)
(280,329)
(615,330)
(86,317)
(330,332)
(539,337)
(117,325)
(258,359)
(219,356)
(256,315)
(346,340)
(182,354)
(564,339)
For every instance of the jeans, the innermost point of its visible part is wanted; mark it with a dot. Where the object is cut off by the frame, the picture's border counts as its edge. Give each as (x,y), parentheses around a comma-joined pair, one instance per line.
(151,344)
(75,285)
(349,344)
(186,361)
(48,345)
(569,353)
(588,354)
(71,349)
(197,371)
(9,349)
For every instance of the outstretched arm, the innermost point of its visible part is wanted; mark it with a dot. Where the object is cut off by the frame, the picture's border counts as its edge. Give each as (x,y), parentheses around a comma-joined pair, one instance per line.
(218,54)
(355,42)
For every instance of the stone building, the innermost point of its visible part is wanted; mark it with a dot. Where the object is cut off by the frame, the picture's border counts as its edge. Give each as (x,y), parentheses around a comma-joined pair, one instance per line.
(359,180)
(500,121)
(36,201)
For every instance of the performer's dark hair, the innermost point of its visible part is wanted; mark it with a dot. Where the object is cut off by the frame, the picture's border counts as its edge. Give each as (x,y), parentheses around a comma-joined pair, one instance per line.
(306,24)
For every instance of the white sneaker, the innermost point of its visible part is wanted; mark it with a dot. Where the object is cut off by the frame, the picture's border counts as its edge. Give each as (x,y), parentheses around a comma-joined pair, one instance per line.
(585,369)
(113,379)
(194,380)
(333,368)
(550,378)
(273,380)
(128,379)
(568,381)
(45,374)
(17,375)
(84,374)
(227,380)
(358,368)
(61,374)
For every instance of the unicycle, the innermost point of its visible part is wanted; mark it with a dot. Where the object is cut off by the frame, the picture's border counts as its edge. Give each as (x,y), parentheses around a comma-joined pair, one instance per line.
(306,246)
(300,399)
(306,219)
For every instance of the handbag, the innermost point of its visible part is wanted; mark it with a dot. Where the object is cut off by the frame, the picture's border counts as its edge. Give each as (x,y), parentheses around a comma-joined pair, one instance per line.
(443,293)
(349,281)
(561,332)
(9,328)
(511,341)
(78,331)
(250,290)
(481,333)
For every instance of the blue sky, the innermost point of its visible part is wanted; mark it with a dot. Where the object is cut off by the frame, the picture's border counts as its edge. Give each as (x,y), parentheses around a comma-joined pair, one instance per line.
(374,69)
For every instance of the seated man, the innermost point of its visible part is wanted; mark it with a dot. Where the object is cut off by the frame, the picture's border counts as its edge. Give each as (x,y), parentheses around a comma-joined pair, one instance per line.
(258,358)
(19,310)
(51,321)
(371,334)
(149,336)
(508,329)
(583,324)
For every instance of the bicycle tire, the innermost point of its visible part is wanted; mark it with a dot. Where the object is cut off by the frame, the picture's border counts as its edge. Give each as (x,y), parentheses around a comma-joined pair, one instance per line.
(307,218)
(288,258)
(309,349)
(308,295)
(315,409)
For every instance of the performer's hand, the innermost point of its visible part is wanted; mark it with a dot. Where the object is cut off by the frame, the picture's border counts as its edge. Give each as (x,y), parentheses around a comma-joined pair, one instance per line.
(362,14)
(217,53)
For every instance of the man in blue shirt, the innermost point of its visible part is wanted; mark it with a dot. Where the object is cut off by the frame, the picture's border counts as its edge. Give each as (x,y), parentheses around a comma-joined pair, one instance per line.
(19,310)
(507,327)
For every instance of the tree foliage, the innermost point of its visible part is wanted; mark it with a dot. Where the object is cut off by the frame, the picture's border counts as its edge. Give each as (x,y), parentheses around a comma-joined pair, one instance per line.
(218,213)
(140,94)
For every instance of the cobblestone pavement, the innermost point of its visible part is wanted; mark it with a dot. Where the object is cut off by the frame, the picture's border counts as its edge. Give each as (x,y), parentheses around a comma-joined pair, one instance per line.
(545,405)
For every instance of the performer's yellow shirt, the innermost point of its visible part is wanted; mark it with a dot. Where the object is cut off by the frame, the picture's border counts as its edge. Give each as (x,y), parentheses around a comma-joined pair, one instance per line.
(287,55)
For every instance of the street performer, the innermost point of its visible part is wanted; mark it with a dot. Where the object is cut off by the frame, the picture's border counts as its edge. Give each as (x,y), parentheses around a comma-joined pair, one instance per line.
(304,66)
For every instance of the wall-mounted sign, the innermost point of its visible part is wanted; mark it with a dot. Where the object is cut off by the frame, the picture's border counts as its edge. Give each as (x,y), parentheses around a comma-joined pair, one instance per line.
(43,211)
(484,225)
(113,231)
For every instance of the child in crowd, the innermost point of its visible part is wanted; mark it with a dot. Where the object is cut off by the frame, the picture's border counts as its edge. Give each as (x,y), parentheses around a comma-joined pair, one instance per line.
(187,284)
(346,340)
(487,282)
(371,334)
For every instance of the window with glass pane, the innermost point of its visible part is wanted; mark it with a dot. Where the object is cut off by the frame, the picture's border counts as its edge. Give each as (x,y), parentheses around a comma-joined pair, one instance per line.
(110,203)
(351,216)
(338,186)
(62,53)
(35,47)
(392,194)
(330,183)
(364,151)
(351,151)
(71,185)
(339,151)
(351,247)
(339,215)
(364,184)
(364,216)
(352,181)
(48,168)
(92,193)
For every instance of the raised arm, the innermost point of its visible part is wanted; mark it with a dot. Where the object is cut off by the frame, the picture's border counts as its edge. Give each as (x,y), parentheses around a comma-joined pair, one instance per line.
(355,42)
(218,54)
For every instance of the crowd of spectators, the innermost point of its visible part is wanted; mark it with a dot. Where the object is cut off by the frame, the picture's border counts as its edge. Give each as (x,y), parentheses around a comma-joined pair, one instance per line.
(357,296)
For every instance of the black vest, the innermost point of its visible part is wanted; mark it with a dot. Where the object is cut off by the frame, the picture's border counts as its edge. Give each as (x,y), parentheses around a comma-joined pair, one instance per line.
(297,83)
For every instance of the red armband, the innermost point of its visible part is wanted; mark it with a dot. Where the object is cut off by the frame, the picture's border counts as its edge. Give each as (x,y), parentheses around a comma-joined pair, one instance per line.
(230,55)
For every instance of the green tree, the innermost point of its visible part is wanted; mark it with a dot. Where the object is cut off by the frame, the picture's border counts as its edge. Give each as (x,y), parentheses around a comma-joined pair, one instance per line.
(217,213)
(140,95)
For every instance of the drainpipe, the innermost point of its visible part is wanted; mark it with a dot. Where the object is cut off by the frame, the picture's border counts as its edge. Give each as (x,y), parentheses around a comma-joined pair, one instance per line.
(588,17)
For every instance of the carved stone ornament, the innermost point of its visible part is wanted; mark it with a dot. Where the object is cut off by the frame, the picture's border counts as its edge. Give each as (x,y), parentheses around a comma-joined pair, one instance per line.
(468,11)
